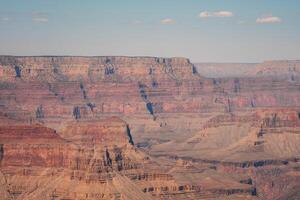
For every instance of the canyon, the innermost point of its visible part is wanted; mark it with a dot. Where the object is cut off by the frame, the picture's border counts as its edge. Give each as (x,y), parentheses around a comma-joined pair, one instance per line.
(278,68)
(104,127)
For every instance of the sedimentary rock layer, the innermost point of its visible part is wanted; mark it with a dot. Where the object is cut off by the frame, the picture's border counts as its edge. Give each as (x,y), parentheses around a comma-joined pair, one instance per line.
(206,137)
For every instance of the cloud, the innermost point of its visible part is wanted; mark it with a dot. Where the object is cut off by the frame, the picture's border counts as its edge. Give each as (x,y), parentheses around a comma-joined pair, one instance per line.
(240,22)
(40,17)
(167,21)
(40,20)
(207,14)
(268,20)
(5,19)
(137,22)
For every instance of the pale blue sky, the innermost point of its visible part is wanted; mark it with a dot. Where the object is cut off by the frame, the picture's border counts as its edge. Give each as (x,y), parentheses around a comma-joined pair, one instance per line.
(202,30)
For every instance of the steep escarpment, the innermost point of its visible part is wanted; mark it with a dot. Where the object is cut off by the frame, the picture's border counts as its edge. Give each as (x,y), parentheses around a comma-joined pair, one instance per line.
(93,68)
(97,162)
(49,89)
(82,87)
(57,130)
(262,147)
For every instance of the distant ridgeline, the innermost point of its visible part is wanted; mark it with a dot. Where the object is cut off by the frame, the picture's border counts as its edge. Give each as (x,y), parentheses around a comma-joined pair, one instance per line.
(94,68)
(50,87)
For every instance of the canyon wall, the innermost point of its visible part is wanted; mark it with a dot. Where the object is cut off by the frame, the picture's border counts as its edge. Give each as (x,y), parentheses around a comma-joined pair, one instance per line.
(50,88)
(155,125)
(98,161)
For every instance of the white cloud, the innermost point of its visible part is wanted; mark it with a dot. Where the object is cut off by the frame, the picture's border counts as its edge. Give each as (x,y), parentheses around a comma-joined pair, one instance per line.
(167,21)
(40,20)
(5,19)
(206,14)
(240,22)
(40,17)
(136,22)
(268,20)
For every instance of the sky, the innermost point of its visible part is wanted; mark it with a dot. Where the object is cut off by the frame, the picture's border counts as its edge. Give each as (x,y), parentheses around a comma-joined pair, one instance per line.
(202,30)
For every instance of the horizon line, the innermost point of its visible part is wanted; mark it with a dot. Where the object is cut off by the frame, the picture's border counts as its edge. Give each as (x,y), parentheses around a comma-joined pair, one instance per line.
(140,56)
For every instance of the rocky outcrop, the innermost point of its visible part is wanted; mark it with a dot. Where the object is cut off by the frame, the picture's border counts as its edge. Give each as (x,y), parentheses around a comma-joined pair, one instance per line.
(93,68)
(80,88)
(222,125)
(91,154)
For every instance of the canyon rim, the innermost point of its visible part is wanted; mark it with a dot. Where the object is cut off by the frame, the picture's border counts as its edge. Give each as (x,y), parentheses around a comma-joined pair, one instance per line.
(137,100)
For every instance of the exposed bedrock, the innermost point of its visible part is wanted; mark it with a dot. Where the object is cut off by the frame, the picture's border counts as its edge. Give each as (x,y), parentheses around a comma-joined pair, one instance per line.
(92,155)
(80,88)
(58,139)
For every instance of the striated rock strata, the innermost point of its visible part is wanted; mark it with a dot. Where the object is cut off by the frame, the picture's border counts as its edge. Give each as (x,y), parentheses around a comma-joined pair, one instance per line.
(204,137)
(97,162)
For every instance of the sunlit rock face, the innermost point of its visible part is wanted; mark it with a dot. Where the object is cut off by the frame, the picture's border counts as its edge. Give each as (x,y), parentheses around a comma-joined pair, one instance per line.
(144,127)
(93,68)
(81,87)
(97,161)
(52,88)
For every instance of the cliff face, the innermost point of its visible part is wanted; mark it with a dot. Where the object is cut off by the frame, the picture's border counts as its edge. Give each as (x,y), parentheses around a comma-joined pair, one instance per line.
(97,162)
(217,126)
(93,68)
(50,88)
(82,87)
